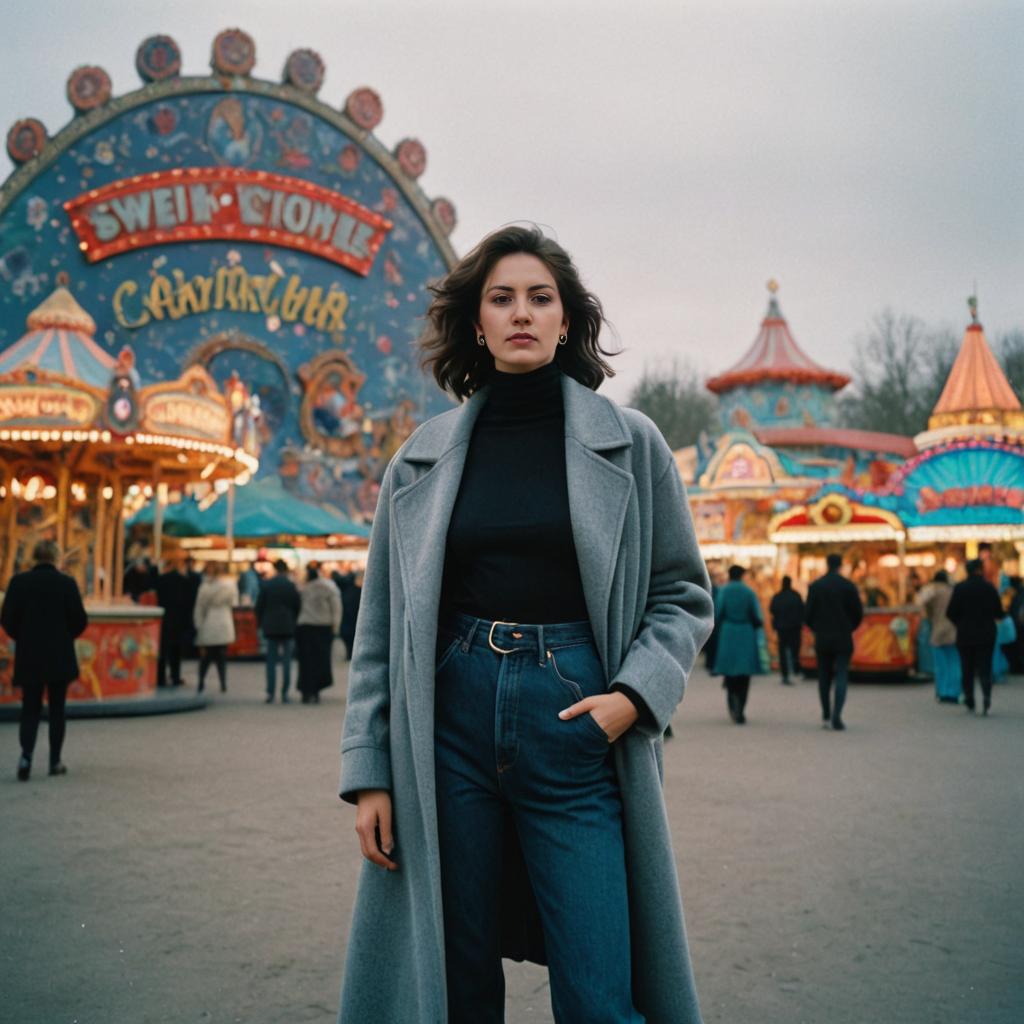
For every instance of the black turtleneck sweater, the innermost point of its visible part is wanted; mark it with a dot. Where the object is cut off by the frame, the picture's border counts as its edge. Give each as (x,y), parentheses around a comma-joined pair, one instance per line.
(510,553)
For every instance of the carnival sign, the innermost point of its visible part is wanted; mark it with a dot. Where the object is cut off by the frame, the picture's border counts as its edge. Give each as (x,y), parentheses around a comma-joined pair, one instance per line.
(176,295)
(37,406)
(199,203)
(191,406)
(974,496)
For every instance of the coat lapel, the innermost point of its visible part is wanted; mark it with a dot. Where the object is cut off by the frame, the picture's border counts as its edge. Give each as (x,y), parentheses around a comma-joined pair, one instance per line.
(599,490)
(421,512)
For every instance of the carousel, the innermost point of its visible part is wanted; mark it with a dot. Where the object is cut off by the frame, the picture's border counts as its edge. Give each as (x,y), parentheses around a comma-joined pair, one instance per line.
(779,443)
(960,496)
(83,444)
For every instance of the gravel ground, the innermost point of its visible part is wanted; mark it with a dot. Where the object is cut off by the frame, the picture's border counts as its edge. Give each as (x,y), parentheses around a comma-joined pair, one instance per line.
(199,867)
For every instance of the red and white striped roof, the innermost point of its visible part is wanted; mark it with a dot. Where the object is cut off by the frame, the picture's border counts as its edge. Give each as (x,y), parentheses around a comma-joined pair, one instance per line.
(776,356)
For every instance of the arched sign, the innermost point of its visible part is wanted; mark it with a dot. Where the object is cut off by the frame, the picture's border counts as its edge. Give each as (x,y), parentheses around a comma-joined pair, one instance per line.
(248,228)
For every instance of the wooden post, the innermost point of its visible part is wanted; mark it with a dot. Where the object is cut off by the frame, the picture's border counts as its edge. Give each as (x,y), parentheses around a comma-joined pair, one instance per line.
(231,524)
(100,566)
(117,588)
(901,549)
(160,497)
(63,486)
(10,532)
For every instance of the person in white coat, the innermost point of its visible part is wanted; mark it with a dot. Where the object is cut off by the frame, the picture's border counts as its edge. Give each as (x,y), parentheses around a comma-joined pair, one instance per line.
(215,623)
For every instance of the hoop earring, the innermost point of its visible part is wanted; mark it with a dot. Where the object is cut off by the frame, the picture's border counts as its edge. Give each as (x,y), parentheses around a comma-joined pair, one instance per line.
(481,341)
(562,339)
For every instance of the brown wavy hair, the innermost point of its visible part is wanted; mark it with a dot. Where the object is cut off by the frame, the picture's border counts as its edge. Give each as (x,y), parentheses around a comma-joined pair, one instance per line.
(449,346)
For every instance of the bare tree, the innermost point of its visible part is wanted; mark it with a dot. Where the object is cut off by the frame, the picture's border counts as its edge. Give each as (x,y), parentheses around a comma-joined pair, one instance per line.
(676,399)
(899,369)
(1010,350)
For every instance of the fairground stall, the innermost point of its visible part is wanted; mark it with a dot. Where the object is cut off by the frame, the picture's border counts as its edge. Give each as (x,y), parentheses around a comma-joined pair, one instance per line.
(960,495)
(779,443)
(234,231)
(255,525)
(81,440)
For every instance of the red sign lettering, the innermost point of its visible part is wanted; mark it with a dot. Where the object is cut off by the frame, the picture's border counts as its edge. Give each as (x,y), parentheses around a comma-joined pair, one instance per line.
(196,203)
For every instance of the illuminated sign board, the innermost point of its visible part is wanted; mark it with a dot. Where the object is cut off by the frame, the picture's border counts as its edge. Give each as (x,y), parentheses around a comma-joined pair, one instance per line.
(35,406)
(198,203)
(175,295)
(976,495)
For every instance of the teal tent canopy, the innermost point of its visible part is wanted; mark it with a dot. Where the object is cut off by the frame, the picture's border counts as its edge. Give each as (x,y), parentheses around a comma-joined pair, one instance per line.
(182,519)
(263,509)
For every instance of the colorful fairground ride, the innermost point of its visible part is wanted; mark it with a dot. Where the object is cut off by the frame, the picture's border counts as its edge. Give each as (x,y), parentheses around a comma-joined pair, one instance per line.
(83,442)
(964,484)
(779,443)
(959,495)
(248,229)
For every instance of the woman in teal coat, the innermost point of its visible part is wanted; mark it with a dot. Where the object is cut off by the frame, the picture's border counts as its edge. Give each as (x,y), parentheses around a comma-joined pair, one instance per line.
(737,619)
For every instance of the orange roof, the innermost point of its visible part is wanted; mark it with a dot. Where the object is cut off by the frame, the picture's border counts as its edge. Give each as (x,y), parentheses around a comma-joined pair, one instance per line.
(776,356)
(976,388)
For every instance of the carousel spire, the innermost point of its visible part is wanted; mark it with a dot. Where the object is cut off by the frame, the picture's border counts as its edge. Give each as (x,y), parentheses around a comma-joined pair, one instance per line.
(775,356)
(61,311)
(977,391)
(60,340)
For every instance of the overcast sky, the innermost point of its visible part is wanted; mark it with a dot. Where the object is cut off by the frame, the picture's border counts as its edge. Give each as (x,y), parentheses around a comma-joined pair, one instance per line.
(865,155)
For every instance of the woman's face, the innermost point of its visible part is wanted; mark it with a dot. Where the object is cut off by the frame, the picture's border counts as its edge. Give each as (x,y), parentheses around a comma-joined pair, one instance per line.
(521,314)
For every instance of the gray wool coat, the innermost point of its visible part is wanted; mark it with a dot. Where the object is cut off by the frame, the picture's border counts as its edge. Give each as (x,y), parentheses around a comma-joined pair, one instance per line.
(647,595)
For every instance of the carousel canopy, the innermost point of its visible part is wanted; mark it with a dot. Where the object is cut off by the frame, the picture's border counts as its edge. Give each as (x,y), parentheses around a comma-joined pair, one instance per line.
(977,401)
(59,340)
(976,383)
(776,356)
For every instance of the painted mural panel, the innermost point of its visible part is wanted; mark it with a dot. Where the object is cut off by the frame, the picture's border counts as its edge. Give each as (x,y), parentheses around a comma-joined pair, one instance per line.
(250,235)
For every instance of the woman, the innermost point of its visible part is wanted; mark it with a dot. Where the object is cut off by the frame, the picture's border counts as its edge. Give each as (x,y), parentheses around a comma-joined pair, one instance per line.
(319,619)
(933,598)
(534,601)
(738,658)
(214,622)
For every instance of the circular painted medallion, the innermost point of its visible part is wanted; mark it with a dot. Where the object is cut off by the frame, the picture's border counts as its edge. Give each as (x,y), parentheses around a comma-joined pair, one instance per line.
(157,58)
(88,88)
(25,140)
(412,157)
(365,108)
(305,70)
(444,213)
(234,52)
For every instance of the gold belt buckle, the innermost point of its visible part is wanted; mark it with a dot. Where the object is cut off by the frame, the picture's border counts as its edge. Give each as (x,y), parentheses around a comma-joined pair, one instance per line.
(490,637)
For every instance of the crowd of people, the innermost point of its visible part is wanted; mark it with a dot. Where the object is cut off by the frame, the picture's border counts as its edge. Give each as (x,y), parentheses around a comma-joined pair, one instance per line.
(974,631)
(297,623)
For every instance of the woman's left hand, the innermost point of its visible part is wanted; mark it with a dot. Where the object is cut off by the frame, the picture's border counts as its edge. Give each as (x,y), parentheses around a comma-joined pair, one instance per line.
(614,712)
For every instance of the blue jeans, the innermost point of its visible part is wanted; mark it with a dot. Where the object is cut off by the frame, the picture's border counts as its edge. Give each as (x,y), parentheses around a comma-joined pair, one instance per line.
(832,666)
(502,754)
(279,647)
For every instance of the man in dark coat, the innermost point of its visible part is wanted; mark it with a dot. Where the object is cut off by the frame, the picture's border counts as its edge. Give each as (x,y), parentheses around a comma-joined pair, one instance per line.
(175,595)
(787,612)
(277,610)
(1015,651)
(711,644)
(833,612)
(140,578)
(350,594)
(974,609)
(42,614)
